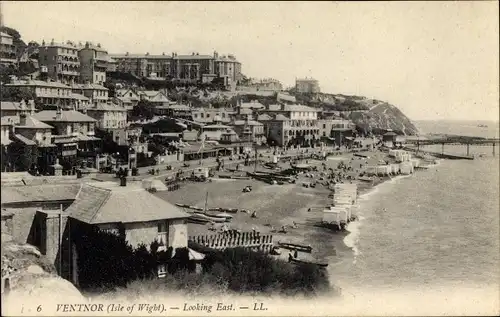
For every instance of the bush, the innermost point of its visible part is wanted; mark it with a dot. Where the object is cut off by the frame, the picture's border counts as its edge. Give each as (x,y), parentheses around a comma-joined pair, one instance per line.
(257,272)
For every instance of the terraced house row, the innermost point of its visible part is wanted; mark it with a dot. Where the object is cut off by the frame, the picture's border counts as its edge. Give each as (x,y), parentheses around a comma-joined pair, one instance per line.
(193,68)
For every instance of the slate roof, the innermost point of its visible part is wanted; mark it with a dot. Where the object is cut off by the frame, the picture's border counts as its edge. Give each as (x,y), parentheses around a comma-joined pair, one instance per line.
(255,105)
(280,117)
(263,117)
(88,87)
(39,83)
(10,105)
(33,123)
(79,97)
(250,122)
(8,120)
(107,107)
(36,193)
(67,116)
(107,202)
(24,140)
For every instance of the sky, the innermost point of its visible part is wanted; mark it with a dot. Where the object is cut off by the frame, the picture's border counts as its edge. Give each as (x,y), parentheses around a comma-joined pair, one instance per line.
(433,60)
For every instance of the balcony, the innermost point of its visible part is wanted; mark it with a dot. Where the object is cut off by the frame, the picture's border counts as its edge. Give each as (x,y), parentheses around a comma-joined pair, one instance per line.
(70,72)
(69,152)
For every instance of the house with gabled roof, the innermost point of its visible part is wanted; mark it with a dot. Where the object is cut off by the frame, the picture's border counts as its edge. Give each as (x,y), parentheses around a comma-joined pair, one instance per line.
(130,211)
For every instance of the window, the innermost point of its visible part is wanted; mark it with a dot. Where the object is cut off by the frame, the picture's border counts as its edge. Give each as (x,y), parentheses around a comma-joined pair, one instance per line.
(202,115)
(324,126)
(162,236)
(162,270)
(208,115)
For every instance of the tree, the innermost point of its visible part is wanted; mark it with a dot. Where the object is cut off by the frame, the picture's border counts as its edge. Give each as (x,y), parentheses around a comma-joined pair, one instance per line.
(144,110)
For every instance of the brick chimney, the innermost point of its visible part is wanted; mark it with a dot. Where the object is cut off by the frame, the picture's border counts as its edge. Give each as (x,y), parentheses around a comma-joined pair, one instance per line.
(58,114)
(22,119)
(32,107)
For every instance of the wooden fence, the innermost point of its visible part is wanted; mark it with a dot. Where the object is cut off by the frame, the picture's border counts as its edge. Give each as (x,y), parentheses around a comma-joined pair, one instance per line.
(233,239)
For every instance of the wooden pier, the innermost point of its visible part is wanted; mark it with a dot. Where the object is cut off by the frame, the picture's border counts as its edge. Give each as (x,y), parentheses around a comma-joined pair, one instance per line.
(441,155)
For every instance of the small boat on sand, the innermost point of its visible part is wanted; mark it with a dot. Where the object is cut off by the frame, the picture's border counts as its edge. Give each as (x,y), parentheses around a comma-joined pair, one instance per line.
(293,246)
(204,217)
(296,261)
(224,215)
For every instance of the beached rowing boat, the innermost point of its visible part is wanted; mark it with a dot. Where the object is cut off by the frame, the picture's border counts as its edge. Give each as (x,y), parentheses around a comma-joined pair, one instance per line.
(296,261)
(204,217)
(298,247)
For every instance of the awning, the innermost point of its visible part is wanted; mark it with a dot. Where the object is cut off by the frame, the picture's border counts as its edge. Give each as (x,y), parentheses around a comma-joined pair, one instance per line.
(24,140)
(83,137)
(193,255)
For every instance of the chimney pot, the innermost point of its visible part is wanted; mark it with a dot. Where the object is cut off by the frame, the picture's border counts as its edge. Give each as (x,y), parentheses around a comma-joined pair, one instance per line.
(22,119)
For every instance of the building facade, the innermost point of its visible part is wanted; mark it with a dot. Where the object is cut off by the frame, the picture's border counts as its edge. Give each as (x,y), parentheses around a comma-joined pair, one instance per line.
(60,62)
(307,85)
(292,125)
(49,94)
(74,137)
(7,50)
(189,69)
(93,64)
(108,116)
(213,115)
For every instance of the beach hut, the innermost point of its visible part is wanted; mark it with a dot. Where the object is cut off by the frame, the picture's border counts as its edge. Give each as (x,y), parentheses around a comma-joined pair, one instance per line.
(406,168)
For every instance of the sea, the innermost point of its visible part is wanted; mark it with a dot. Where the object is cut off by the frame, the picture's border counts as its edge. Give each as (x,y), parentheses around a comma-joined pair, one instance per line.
(435,232)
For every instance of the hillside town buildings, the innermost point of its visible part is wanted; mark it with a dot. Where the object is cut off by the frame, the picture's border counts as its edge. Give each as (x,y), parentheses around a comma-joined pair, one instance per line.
(190,69)
(76,104)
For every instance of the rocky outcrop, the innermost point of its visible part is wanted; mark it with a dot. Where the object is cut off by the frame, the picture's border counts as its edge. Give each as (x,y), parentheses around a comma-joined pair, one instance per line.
(26,274)
(368,114)
(381,117)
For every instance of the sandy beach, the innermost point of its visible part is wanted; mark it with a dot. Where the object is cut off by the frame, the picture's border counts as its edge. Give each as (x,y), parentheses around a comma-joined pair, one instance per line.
(279,205)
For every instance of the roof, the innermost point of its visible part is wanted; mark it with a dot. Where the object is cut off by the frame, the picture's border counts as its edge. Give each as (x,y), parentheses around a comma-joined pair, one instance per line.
(38,83)
(180,107)
(256,105)
(5,34)
(193,57)
(33,123)
(33,193)
(132,56)
(108,202)
(67,116)
(217,126)
(193,255)
(79,97)
(249,122)
(300,108)
(88,86)
(390,133)
(280,117)
(264,117)
(8,120)
(10,105)
(106,107)
(24,140)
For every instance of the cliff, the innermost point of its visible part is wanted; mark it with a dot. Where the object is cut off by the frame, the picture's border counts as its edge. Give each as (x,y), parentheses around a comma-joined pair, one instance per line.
(368,114)
(30,276)
(384,116)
